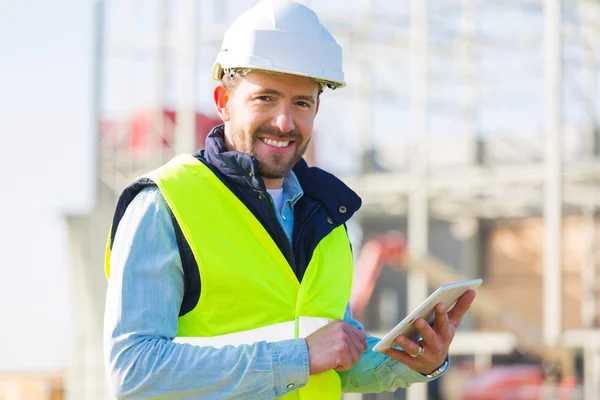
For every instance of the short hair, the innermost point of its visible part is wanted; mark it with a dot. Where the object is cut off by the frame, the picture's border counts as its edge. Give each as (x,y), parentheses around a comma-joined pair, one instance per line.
(231,78)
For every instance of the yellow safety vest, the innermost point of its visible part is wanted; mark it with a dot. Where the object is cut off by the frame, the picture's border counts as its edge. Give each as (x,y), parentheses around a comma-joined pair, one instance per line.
(249,291)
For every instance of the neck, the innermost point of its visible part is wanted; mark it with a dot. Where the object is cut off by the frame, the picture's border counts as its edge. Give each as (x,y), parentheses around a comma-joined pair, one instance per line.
(273,183)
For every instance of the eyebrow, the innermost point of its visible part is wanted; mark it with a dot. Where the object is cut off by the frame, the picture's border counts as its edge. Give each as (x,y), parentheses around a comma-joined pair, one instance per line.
(275,92)
(309,99)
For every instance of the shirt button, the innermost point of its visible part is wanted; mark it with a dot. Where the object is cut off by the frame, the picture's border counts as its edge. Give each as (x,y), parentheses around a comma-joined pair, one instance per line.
(260,196)
(330,221)
(343,209)
(284,218)
(290,385)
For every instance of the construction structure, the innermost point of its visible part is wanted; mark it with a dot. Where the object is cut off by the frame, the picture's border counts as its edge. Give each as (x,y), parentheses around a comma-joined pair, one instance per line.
(466,124)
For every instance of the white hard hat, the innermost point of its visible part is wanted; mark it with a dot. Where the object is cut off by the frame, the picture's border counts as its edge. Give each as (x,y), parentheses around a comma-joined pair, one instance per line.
(281,36)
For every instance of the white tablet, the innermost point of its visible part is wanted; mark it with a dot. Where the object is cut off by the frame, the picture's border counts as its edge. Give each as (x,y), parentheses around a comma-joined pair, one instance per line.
(447,294)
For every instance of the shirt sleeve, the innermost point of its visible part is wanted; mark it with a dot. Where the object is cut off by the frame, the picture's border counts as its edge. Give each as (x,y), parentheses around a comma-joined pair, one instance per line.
(143,298)
(376,372)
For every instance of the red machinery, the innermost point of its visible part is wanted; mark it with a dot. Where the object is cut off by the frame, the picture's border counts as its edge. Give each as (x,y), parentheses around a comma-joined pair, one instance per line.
(142,131)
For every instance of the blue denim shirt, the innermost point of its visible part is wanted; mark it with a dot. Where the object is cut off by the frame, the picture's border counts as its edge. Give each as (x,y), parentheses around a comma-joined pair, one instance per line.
(292,191)
(143,298)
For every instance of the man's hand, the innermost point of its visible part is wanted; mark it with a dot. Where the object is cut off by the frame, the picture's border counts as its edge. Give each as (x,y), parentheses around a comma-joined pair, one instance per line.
(337,346)
(435,340)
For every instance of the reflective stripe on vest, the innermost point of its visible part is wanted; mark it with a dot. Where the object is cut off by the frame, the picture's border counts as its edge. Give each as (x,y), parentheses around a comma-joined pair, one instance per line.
(271,333)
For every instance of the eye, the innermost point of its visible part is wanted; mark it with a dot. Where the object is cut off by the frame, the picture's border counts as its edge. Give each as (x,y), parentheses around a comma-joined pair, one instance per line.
(264,98)
(303,104)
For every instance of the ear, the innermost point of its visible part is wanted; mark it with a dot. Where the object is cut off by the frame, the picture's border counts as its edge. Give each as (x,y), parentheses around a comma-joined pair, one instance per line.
(221,98)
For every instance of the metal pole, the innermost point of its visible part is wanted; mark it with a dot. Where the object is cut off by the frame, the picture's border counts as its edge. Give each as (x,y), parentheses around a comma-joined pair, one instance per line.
(588,306)
(97,93)
(591,372)
(588,272)
(160,82)
(467,58)
(128,158)
(79,377)
(185,131)
(553,176)
(588,13)
(366,77)
(467,64)
(418,213)
(365,113)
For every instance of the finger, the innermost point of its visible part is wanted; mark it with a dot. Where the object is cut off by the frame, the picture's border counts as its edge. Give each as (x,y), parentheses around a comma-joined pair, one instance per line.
(342,367)
(427,333)
(356,340)
(355,347)
(403,357)
(442,322)
(462,305)
(362,337)
(410,347)
(345,361)
(423,364)
(354,353)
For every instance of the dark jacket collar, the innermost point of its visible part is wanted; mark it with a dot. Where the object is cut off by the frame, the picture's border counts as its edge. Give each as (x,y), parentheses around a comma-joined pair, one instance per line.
(339,200)
(241,168)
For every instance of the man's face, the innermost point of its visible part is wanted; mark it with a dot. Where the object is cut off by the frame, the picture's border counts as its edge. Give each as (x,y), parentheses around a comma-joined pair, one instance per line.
(271,118)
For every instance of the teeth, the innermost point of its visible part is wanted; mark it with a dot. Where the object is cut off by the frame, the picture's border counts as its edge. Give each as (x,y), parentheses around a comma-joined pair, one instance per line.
(275,143)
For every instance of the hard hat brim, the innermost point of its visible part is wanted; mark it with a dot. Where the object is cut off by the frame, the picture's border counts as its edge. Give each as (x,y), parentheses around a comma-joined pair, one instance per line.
(218,72)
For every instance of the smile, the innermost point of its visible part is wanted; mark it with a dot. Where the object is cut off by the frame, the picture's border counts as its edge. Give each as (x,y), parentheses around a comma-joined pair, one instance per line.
(275,143)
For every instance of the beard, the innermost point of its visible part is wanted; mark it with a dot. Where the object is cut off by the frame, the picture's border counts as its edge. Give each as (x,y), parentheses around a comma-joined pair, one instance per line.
(272,165)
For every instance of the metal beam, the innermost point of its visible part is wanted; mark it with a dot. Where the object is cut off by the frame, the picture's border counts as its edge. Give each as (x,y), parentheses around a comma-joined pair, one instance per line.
(418,214)
(466,178)
(591,372)
(185,130)
(588,271)
(588,14)
(552,277)
(467,59)
(364,99)
(468,56)
(478,180)
(156,140)
(97,90)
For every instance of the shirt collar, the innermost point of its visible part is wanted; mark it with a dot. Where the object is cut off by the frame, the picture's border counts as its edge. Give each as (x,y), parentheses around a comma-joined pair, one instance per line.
(292,191)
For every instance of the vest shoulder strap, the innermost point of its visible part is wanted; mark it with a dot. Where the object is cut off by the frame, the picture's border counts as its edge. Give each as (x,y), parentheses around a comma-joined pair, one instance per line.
(191,274)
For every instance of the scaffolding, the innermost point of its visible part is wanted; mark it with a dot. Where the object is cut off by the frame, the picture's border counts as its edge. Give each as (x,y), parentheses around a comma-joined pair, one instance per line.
(434,122)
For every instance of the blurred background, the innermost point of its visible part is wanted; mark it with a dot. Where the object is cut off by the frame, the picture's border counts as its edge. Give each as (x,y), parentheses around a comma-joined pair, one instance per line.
(468,127)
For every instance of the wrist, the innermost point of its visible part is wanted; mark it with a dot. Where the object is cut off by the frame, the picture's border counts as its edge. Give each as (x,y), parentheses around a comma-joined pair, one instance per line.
(439,370)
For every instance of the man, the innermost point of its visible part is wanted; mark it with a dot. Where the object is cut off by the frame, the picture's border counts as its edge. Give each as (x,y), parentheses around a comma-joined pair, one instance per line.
(230,270)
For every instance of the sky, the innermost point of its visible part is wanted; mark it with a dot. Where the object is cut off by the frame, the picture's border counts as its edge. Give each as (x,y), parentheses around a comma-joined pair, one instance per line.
(45,162)
(47,151)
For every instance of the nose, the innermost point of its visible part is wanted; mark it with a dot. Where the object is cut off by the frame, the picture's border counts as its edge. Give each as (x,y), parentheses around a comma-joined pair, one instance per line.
(283,120)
